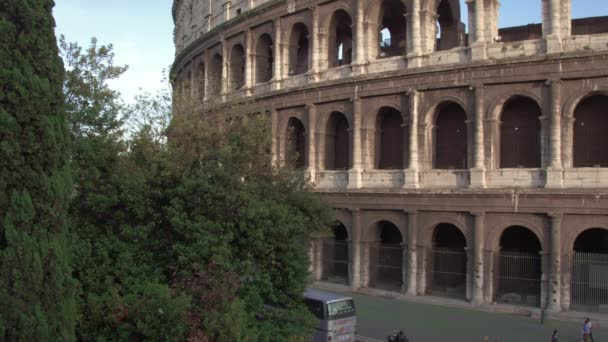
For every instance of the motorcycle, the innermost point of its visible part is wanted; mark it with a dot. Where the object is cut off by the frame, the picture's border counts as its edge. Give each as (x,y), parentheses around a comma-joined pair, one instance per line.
(397,336)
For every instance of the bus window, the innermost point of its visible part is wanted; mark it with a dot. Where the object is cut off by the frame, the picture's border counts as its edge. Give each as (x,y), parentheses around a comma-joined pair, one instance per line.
(341,309)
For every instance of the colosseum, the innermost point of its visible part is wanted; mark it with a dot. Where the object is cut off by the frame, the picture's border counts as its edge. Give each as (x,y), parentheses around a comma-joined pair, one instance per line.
(463,160)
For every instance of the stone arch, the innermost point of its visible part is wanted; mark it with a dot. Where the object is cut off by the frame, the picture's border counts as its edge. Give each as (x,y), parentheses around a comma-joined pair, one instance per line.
(495,232)
(237,67)
(391,17)
(426,234)
(451,30)
(298,49)
(264,58)
(572,232)
(200,80)
(520,133)
(295,144)
(386,256)
(450,137)
(337,142)
(373,218)
(591,240)
(345,217)
(392,139)
(340,38)
(495,108)
(214,74)
(336,254)
(447,262)
(589,129)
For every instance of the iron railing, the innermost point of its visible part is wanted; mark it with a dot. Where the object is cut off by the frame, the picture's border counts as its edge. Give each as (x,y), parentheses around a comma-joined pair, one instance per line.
(518,278)
(589,282)
(448,272)
(335,261)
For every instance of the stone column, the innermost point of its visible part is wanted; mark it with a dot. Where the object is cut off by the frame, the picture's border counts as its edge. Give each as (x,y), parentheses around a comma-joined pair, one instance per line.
(411,175)
(412,241)
(360,58)
(225,65)
(478,261)
(318,258)
(365,260)
(354,174)
(555,275)
(478,45)
(312,141)
(227,6)
(555,171)
(354,271)
(544,278)
(278,54)
(478,173)
(275,138)
(317,40)
(415,36)
(422,266)
(552,31)
(249,64)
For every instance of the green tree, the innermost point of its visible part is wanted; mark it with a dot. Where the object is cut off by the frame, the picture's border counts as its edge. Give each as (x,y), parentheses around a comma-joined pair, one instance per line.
(36,289)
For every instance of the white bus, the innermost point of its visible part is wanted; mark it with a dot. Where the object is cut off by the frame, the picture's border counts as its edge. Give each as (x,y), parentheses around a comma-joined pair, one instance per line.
(336,314)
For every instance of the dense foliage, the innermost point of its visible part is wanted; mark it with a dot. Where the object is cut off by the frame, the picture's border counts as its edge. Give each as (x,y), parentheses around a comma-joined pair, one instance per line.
(194,237)
(36,291)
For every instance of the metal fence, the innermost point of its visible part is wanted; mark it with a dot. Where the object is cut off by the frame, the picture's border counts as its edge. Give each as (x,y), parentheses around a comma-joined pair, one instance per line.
(386,263)
(518,278)
(589,286)
(448,272)
(335,261)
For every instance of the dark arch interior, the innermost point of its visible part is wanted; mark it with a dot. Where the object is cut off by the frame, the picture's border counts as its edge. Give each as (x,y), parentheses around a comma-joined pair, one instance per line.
(448,236)
(340,39)
(389,233)
(215,74)
(451,29)
(340,232)
(590,127)
(392,18)
(264,59)
(519,239)
(392,139)
(200,80)
(337,144)
(237,67)
(594,240)
(451,137)
(520,134)
(298,50)
(296,144)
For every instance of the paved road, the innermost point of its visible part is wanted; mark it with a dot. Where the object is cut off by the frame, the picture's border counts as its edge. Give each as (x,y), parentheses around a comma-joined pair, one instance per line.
(377,316)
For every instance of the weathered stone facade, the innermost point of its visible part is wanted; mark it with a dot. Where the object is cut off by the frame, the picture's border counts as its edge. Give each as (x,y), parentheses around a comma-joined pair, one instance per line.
(483,131)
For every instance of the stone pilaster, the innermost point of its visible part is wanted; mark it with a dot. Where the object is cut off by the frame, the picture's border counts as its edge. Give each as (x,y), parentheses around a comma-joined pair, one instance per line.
(312,147)
(478,173)
(249,64)
(478,45)
(360,58)
(478,260)
(275,138)
(555,171)
(354,174)
(414,35)
(365,262)
(227,7)
(225,63)
(412,241)
(354,271)
(555,272)
(278,56)
(317,40)
(552,25)
(411,175)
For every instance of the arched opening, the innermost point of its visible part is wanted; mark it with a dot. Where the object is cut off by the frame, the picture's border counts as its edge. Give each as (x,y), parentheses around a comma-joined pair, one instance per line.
(589,284)
(187,90)
(450,137)
(295,151)
(520,134)
(518,25)
(214,76)
(392,29)
(298,50)
(391,139)
(337,143)
(335,255)
(237,67)
(447,262)
(590,127)
(200,81)
(264,59)
(518,267)
(340,39)
(386,258)
(450,31)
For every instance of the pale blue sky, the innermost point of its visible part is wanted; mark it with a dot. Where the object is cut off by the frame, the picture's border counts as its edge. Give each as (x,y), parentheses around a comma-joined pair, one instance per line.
(142,31)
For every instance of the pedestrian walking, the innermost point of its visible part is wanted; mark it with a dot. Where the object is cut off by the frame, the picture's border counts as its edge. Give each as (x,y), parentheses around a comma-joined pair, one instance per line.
(554,336)
(586,330)
(590,329)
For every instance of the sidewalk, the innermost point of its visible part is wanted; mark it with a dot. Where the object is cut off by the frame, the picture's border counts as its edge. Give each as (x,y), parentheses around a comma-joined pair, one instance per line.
(433,319)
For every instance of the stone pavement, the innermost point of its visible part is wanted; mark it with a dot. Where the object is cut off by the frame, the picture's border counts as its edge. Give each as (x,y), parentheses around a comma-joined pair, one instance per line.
(424,320)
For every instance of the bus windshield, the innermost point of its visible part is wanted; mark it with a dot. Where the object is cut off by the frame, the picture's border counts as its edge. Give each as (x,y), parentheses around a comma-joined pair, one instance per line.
(343,308)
